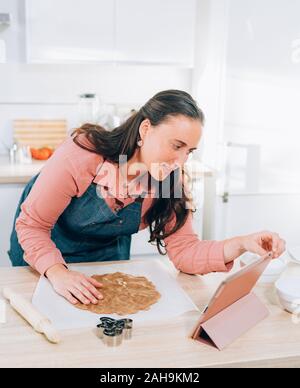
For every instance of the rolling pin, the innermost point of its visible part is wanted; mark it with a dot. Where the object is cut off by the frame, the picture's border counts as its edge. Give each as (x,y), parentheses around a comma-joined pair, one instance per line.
(40,323)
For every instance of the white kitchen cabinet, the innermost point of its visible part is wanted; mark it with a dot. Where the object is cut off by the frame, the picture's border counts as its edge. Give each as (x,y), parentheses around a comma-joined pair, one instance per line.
(67,31)
(155,31)
(9,199)
(252,213)
(114,31)
(140,245)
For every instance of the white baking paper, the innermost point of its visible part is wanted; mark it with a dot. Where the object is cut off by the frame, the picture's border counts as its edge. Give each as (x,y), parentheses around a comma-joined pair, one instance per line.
(63,315)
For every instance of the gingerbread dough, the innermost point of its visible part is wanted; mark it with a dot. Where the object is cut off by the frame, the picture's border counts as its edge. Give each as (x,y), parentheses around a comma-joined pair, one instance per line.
(123,294)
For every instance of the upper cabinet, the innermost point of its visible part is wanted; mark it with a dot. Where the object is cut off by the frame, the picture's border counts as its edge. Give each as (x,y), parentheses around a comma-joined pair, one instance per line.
(115,31)
(68,31)
(155,31)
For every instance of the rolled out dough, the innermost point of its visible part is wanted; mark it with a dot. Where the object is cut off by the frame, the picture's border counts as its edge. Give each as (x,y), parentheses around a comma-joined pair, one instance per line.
(123,294)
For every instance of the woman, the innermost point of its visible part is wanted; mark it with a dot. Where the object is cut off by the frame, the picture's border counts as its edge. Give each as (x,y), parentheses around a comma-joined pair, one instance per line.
(100,187)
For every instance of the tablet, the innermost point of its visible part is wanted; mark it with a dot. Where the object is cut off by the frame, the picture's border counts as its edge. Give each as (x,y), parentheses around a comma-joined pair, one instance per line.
(235,287)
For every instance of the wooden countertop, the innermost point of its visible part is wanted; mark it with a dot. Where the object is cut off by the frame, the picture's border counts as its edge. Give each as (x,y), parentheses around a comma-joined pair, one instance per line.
(272,343)
(22,173)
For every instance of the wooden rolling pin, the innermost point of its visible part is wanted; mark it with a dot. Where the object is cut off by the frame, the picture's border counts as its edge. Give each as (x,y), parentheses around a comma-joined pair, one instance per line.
(40,323)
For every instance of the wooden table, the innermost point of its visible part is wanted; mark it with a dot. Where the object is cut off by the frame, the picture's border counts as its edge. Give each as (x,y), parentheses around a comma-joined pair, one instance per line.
(275,342)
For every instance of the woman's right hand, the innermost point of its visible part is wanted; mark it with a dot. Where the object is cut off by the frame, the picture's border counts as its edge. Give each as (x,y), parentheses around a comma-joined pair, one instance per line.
(74,286)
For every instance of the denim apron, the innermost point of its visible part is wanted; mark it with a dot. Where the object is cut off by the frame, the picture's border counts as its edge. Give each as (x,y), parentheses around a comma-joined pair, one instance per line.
(88,229)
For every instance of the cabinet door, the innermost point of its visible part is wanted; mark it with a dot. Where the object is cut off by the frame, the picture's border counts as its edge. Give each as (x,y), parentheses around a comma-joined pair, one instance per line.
(140,245)
(68,31)
(9,198)
(155,31)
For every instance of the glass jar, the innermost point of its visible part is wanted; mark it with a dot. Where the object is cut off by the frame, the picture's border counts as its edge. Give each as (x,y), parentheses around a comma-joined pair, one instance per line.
(88,108)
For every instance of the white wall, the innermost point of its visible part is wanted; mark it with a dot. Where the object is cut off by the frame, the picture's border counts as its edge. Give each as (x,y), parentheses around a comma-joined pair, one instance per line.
(265,111)
(50,91)
(263,36)
(263,88)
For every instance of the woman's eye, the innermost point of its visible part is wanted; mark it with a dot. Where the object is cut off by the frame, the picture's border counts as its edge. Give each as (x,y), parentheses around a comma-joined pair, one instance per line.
(176,147)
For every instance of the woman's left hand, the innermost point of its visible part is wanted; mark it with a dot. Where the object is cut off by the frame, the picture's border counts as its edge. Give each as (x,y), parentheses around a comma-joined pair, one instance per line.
(260,243)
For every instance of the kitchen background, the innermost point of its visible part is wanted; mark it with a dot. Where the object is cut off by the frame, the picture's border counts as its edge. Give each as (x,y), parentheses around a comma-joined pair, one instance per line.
(240,59)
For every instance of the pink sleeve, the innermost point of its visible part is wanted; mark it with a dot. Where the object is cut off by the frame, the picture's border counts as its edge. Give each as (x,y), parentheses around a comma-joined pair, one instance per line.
(61,178)
(191,255)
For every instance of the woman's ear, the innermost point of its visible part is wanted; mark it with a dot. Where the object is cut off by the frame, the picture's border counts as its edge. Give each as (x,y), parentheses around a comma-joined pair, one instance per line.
(144,128)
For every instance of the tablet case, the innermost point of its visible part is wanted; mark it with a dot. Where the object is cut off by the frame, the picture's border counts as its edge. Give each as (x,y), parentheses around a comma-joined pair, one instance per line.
(226,326)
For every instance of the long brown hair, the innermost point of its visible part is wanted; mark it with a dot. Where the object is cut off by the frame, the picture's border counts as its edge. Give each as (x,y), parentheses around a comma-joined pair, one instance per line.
(123,139)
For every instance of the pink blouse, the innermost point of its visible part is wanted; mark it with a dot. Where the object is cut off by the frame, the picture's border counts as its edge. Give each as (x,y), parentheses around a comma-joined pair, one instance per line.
(68,173)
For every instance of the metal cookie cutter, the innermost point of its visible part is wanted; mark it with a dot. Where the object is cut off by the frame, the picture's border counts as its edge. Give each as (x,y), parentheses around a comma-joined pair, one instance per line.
(112,337)
(113,331)
(107,320)
(127,331)
(126,325)
(101,328)
(105,323)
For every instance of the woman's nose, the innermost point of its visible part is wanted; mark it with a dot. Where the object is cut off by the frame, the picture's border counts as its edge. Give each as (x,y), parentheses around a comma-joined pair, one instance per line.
(181,160)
